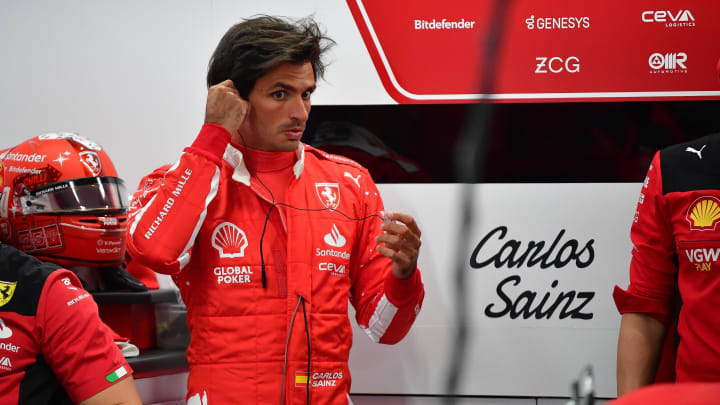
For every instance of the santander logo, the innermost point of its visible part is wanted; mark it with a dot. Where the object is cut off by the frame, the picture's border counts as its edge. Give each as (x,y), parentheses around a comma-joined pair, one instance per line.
(334,238)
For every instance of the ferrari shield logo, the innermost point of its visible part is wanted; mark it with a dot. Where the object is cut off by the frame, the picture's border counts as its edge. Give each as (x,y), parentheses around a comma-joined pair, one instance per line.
(329,194)
(6,292)
(92,162)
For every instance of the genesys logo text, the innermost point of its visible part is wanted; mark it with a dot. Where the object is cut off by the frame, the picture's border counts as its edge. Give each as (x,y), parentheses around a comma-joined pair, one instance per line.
(668,63)
(677,19)
(557,23)
(557,64)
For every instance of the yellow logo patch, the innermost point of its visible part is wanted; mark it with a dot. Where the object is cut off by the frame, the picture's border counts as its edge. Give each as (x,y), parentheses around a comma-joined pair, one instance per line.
(704,213)
(6,292)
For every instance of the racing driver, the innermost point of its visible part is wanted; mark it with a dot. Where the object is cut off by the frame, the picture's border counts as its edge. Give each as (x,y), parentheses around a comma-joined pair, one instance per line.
(269,238)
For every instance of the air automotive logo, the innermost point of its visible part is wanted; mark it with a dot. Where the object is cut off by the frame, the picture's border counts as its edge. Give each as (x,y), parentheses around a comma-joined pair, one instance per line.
(668,63)
(704,214)
(329,194)
(229,240)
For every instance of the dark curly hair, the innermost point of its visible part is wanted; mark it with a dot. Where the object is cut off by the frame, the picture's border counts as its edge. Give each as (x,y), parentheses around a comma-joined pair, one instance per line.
(253,47)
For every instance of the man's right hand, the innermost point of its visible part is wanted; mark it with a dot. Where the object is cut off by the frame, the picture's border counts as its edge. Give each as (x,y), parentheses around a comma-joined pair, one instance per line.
(225,107)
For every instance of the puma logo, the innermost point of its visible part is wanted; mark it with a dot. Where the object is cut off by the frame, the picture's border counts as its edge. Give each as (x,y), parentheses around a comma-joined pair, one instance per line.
(695,151)
(356,180)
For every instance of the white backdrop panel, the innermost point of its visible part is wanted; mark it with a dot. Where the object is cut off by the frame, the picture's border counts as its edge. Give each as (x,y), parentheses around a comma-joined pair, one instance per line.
(509,355)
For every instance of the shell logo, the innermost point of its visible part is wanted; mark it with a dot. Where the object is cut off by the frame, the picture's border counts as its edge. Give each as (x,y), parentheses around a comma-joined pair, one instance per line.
(229,240)
(704,213)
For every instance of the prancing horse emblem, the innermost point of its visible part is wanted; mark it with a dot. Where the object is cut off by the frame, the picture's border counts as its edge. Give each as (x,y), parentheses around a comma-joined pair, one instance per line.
(329,194)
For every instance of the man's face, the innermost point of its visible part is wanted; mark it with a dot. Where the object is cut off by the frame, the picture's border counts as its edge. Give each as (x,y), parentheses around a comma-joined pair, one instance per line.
(279,109)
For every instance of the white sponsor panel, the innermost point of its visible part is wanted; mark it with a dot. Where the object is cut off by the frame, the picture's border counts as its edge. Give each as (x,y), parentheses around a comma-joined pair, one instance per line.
(540,266)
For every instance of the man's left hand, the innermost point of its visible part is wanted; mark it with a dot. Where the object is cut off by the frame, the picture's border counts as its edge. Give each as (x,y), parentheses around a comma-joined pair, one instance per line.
(400,242)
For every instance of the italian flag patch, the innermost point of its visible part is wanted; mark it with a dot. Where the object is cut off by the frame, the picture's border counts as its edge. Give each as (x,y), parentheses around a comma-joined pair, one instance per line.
(116,375)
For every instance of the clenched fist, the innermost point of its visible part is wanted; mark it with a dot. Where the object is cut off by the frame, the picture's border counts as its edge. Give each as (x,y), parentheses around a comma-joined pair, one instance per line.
(225,107)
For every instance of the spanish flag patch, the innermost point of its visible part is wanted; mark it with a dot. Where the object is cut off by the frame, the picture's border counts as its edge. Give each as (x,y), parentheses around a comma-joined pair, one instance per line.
(301,378)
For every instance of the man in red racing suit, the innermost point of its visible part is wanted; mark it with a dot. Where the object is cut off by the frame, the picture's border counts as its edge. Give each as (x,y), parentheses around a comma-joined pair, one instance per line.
(676,247)
(268,239)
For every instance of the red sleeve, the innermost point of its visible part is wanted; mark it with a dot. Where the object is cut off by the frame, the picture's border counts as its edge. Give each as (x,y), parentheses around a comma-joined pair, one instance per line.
(76,344)
(385,307)
(167,210)
(653,273)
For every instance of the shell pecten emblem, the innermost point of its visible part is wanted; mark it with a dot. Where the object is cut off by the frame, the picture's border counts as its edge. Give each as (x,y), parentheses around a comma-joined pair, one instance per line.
(229,240)
(704,213)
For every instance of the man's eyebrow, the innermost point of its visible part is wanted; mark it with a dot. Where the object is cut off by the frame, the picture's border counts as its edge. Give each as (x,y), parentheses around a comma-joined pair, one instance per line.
(288,87)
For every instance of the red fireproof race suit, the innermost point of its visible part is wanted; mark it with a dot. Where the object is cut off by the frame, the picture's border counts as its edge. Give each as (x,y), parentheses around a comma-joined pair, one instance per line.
(52,342)
(203,220)
(676,247)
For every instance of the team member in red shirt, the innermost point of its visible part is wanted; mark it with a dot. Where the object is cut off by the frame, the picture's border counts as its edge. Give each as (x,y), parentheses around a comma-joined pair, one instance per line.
(676,248)
(61,201)
(269,238)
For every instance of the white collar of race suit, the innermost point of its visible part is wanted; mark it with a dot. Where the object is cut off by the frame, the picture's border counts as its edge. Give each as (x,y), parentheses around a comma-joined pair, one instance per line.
(234,158)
